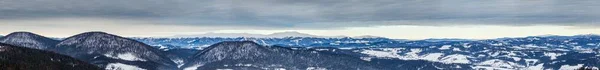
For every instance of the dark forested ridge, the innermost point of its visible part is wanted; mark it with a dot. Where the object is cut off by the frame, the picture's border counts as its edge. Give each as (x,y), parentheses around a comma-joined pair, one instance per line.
(22,58)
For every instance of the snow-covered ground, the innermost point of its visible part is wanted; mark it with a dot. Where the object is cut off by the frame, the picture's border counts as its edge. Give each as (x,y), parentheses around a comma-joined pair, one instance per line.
(121,66)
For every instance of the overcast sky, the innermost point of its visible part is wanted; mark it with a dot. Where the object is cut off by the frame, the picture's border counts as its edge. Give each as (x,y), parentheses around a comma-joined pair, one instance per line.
(406,19)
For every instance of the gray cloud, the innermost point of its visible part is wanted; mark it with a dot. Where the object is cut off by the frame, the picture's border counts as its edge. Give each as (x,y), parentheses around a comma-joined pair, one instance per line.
(311,14)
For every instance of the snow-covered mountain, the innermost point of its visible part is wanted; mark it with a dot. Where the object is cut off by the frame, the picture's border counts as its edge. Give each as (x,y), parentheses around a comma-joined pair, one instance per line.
(250,55)
(114,52)
(22,58)
(30,40)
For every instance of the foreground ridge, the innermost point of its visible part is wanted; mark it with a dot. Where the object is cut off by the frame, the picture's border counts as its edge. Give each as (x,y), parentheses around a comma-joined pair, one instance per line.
(21,58)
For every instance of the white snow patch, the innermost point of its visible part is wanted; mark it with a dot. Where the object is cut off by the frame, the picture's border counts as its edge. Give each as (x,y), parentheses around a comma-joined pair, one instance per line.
(455,58)
(179,62)
(445,47)
(316,68)
(192,67)
(366,58)
(347,48)
(413,55)
(552,55)
(247,65)
(569,67)
(432,56)
(497,44)
(456,49)
(516,58)
(380,53)
(120,66)
(466,45)
(322,49)
(125,56)
(497,64)
(530,61)
(536,67)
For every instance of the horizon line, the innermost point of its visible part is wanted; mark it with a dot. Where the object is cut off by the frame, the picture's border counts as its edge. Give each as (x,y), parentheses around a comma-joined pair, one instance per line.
(318,36)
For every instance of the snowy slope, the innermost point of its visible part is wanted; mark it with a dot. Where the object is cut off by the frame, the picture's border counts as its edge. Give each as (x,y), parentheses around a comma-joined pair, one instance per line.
(104,49)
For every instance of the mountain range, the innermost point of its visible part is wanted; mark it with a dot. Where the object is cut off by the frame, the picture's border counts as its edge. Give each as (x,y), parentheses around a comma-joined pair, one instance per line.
(112,52)
(273,35)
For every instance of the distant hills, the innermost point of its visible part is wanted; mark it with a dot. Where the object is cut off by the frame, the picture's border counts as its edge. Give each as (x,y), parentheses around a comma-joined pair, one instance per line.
(274,35)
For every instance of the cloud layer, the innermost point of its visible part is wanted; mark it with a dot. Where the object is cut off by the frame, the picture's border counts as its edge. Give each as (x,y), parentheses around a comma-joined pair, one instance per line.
(314,14)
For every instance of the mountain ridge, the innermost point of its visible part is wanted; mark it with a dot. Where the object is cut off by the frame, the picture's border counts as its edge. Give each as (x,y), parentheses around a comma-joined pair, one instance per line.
(103,49)
(30,40)
(254,56)
(11,58)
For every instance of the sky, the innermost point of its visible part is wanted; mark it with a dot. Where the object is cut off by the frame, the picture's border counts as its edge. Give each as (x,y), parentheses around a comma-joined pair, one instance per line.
(401,19)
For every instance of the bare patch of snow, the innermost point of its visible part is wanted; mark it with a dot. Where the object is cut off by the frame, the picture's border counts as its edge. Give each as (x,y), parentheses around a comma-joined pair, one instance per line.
(516,58)
(194,67)
(445,47)
(380,53)
(366,58)
(125,56)
(530,61)
(456,49)
(455,58)
(120,66)
(552,55)
(316,68)
(432,56)
(536,67)
(569,67)
(497,64)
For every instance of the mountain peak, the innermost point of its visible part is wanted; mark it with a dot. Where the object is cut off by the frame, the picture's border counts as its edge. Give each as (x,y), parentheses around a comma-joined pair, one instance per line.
(95,33)
(368,36)
(288,32)
(115,48)
(235,46)
(233,49)
(291,34)
(28,39)
(238,43)
(23,34)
